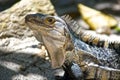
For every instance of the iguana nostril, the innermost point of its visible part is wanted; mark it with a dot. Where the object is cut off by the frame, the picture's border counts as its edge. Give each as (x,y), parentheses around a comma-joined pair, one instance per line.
(29,17)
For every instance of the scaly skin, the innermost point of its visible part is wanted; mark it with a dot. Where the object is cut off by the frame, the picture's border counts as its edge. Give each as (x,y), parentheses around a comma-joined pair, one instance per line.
(66,48)
(92,38)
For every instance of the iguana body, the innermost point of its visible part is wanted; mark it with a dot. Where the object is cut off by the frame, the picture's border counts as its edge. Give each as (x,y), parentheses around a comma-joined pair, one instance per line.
(64,41)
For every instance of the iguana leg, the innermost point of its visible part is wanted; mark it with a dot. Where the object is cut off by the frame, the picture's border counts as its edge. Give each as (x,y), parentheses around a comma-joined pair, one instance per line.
(72,71)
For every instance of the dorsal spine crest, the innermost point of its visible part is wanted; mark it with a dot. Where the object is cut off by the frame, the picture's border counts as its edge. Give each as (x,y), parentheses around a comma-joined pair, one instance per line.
(90,37)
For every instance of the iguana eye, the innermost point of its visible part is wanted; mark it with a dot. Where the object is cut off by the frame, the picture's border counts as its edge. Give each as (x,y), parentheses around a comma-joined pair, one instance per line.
(49,20)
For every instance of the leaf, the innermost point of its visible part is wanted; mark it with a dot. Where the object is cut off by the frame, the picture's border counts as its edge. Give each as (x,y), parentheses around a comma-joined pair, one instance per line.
(95,18)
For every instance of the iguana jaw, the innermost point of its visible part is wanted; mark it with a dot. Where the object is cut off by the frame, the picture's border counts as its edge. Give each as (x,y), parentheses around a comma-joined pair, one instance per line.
(53,36)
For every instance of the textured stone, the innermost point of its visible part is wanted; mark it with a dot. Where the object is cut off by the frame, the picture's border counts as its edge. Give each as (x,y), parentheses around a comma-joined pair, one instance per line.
(22,59)
(21,56)
(12,20)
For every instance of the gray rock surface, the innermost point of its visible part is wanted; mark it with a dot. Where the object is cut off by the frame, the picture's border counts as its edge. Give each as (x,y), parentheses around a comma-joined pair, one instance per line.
(12,20)
(22,59)
(21,56)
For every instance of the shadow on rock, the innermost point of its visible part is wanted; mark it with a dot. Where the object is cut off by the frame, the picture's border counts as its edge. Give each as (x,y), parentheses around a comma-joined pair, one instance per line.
(14,65)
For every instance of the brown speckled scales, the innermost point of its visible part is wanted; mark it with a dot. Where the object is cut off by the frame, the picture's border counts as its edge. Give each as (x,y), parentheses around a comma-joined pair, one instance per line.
(91,37)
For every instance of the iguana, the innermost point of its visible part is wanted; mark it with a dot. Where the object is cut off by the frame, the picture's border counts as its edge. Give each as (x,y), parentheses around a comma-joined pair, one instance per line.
(81,54)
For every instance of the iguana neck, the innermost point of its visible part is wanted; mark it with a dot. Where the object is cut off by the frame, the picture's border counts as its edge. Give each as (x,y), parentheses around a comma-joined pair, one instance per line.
(57,46)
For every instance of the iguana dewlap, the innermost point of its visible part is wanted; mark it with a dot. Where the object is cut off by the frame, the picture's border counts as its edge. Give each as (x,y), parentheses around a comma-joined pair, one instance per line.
(68,45)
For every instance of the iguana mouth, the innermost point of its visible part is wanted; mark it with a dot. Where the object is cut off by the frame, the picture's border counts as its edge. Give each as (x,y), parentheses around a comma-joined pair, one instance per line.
(32,18)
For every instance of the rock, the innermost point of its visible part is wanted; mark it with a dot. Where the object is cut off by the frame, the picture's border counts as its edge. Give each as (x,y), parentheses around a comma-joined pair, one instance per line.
(12,19)
(19,60)
(21,57)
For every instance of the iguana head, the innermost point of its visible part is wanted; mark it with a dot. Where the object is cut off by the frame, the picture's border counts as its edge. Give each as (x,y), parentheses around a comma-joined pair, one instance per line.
(53,31)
